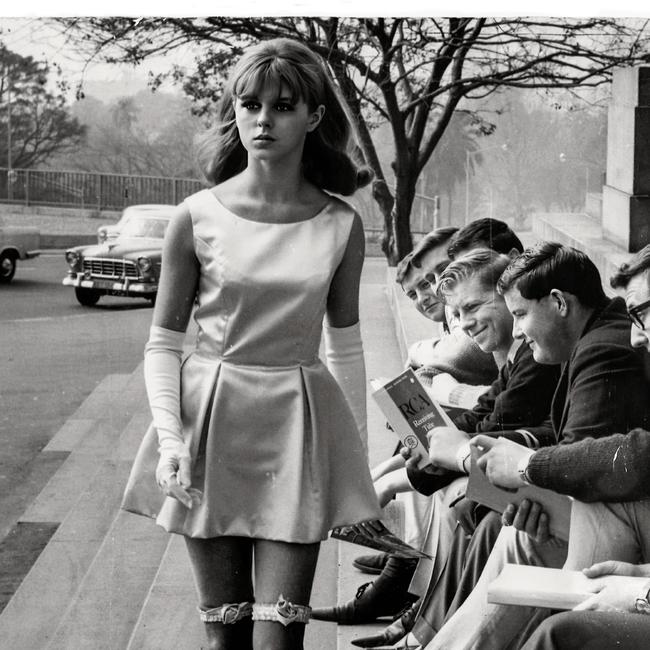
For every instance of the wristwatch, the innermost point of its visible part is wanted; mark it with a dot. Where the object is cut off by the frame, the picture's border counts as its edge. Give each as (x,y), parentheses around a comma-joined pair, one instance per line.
(522,469)
(462,454)
(641,604)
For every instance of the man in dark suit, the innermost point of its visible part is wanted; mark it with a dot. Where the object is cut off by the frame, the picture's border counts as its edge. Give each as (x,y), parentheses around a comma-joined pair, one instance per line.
(614,617)
(559,308)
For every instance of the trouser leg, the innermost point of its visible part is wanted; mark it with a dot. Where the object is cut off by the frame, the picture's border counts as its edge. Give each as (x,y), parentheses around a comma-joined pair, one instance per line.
(477,624)
(439,538)
(477,555)
(467,557)
(591,631)
(609,531)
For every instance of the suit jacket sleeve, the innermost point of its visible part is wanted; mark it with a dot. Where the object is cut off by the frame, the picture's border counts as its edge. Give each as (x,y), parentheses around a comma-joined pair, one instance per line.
(520,397)
(607,393)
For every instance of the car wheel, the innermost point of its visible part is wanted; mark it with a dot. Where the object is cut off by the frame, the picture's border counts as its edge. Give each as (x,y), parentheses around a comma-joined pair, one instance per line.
(7,267)
(86,297)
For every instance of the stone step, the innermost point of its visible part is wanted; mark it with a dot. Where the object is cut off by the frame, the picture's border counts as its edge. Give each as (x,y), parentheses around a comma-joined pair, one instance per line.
(105,609)
(83,495)
(32,615)
(89,439)
(585,233)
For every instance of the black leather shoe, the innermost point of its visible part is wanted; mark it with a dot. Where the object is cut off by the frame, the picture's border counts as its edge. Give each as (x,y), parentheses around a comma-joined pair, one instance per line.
(367,606)
(387,596)
(371,563)
(395,632)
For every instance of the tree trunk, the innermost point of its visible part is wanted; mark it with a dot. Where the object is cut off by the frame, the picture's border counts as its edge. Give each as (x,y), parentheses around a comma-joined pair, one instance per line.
(396,239)
(384,199)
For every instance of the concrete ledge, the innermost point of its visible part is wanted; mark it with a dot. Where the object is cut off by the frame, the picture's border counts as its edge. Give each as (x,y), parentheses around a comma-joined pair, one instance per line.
(586,234)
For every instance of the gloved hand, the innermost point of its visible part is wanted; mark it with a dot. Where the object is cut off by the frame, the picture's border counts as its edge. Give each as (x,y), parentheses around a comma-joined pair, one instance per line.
(162,373)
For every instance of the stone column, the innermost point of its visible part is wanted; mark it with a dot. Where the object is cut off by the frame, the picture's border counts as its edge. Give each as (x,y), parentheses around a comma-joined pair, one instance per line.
(626,194)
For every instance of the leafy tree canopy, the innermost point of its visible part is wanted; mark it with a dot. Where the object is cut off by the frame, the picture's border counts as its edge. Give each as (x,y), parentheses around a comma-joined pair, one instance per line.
(34,122)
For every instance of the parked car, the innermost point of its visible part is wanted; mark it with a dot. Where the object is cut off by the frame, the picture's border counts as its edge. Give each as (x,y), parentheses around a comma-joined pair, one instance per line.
(105,233)
(126,265)
(16,243)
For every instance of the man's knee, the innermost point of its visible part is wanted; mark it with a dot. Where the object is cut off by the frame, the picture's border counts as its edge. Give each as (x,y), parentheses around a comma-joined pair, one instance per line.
(564,631)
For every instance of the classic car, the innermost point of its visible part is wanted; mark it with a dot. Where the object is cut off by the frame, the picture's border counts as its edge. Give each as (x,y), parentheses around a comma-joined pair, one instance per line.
(16,243)
(104,233)
(127,265)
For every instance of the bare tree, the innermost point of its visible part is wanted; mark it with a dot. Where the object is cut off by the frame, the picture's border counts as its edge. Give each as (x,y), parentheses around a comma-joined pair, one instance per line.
(412,72)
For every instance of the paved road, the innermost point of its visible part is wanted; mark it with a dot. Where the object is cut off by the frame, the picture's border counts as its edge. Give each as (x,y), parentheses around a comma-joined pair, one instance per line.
(54,353)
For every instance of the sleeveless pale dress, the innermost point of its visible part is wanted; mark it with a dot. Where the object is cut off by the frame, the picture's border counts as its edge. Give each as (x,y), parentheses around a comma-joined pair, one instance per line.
(275,448)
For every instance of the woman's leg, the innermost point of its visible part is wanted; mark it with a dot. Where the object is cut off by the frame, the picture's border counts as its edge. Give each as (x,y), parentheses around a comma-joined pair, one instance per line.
(222,568)
(283,571)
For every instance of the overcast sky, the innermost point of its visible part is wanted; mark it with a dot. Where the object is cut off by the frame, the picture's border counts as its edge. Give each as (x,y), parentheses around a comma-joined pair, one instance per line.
(32,36)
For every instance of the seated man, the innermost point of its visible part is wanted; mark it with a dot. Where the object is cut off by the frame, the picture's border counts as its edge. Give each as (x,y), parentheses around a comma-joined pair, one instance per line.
(448,390)
(521,394)
(555,296)
(452,351)
(472,371)
(614,618)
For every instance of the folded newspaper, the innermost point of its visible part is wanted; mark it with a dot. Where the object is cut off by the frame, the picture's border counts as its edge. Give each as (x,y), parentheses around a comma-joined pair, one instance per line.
(374,534)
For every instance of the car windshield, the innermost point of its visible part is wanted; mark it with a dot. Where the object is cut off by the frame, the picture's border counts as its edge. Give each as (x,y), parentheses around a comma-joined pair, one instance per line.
(144,227)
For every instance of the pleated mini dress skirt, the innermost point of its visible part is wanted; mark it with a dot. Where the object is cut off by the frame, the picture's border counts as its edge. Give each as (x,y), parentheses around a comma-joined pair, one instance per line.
(275,449)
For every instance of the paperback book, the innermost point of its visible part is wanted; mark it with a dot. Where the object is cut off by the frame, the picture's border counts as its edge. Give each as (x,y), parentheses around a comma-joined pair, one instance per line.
(410,411)
(534,586)
(557,506)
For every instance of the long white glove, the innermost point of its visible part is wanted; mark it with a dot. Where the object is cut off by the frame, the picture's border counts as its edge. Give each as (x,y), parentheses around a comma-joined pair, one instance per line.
(344,353)
(162,375)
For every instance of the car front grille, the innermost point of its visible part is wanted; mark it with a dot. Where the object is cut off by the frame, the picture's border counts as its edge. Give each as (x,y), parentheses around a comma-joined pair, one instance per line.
(110,268)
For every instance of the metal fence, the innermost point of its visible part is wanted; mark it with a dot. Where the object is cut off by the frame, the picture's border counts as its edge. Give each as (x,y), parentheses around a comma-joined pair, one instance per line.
(96,191)
(90,190)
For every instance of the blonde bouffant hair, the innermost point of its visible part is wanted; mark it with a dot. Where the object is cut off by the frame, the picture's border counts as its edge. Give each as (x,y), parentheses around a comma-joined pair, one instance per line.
(327,157)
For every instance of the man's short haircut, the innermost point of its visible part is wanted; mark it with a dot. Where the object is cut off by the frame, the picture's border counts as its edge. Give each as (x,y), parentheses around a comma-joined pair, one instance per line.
(431,240)
(483,264)
(485,233)
(549,265)
(640,263)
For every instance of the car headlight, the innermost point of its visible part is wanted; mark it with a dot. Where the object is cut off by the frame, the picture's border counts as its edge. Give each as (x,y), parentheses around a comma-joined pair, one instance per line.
(145,264)
(73,259)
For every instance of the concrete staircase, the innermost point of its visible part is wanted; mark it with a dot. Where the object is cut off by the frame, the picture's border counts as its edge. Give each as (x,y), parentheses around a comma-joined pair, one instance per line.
(112,580)
(585,233)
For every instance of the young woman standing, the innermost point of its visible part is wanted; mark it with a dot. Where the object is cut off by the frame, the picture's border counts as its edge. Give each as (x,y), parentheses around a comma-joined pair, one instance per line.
(261,452)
